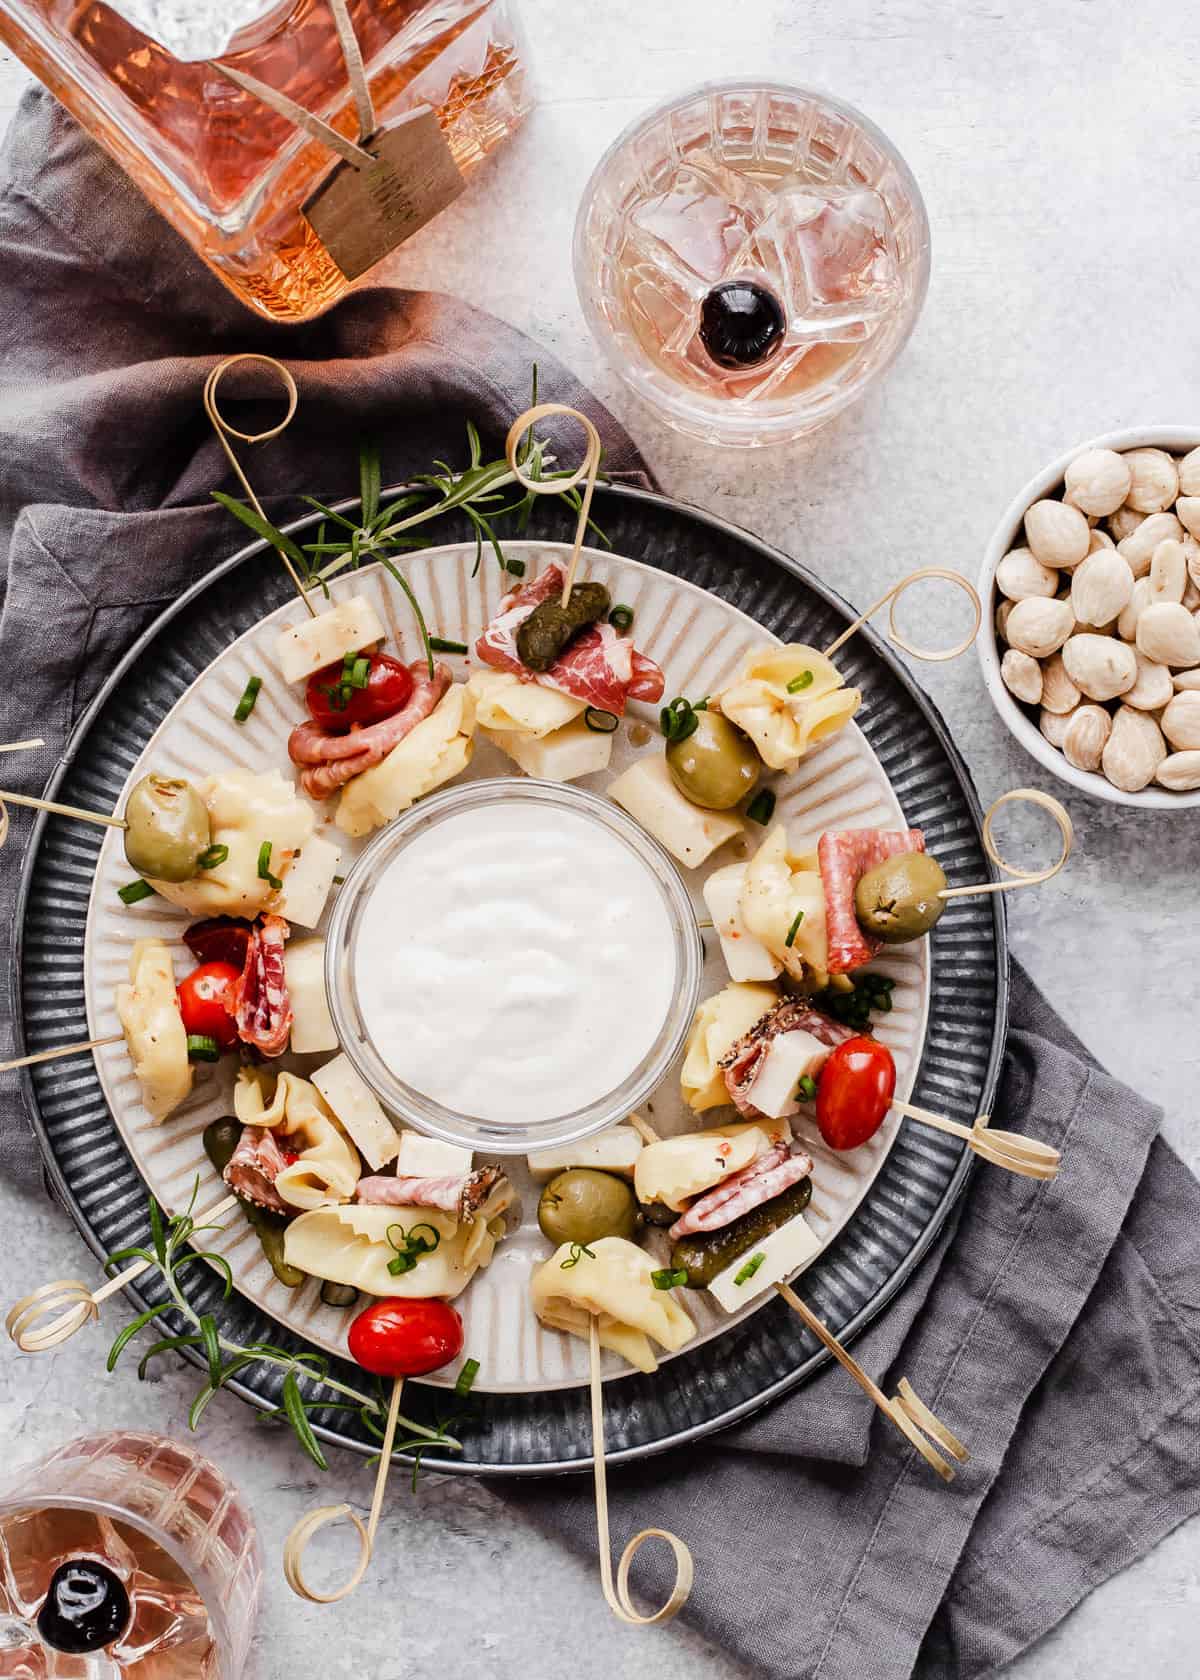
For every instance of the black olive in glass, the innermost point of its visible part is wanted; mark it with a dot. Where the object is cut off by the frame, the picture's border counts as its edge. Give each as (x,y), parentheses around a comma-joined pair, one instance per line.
(741,324)
(86,1608)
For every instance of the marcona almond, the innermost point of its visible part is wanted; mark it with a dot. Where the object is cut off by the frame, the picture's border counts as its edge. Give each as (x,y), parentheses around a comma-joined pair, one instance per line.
(1189,474)
(1191,596)
(1134,750)
(1084,738)
(1058,535)
(1187,510)
(1098,481)
(1168,572)
(1100,539)
(1167,632)
(1138,602)
(1186,682)
(1137,549)
(1040,627)
(1059,693)
(1124,523)
(1100,666)
(1101,586)
(1155,480)
(1019,575)
(1180,723)
(1022,675)
(1179,771)
(1002,612)
(1191,554)
(1153,687)
(1053,726)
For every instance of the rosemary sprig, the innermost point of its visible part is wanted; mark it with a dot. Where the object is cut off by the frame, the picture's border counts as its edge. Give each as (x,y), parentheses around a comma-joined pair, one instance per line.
(227,1358)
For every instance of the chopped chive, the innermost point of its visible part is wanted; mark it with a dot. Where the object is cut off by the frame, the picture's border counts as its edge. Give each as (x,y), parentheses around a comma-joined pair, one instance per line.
(202,1048)
(211,856)
(360,673)
(601,722)
(621,617)
(748,1270)
(339,880)
(516,567)
(762,807)
(806,1090)
(668,1277)
(465,1380)
(133,891)
(804,680)
(246,704)
(794,929)
(439,644)
(264,866)
(679,720)
(575,1255)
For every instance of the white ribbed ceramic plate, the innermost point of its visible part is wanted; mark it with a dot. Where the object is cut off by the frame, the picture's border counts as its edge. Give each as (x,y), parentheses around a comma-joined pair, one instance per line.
(698,640)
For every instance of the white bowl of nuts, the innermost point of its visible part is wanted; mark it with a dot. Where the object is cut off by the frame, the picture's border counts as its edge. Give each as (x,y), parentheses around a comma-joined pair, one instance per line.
(1091,644)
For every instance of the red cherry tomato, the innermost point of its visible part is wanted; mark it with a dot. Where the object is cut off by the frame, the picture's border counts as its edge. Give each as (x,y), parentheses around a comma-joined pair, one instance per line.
(202,1002)
(221,939)
(389,689)
(397,1338)
(854,1092)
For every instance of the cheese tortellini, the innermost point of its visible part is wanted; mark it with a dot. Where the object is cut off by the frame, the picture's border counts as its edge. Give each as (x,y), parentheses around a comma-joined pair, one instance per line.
(612,1280)
(438,748)
(716,1027)
(328,1167)
(246,809)
(350,1245)
(509,706)
(783,906)
(154,1032)
(786,699)
(674,1170)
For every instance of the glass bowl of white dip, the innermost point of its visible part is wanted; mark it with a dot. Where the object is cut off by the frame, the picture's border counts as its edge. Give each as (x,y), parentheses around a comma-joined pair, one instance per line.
(513,965)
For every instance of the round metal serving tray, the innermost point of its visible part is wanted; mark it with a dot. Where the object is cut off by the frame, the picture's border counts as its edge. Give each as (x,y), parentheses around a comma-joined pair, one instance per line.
(769,1353)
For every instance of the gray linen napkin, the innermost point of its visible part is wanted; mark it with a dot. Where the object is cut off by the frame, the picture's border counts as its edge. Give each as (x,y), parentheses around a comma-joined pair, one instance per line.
(1056,1329)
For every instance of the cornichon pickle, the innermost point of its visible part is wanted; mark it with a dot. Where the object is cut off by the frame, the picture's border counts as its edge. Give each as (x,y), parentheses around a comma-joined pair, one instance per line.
(550,626)
(705,1255)
(220,1141)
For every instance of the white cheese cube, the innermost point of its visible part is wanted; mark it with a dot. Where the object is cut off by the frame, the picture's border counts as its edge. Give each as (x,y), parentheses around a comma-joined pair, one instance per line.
(304,648)
(357,1107)
(562,756)
(647,792)
(783,1252)
(312,1024)
(506,704)
(614,1151)
(426,1157)
(746,957)
(308,881)
(788,1059)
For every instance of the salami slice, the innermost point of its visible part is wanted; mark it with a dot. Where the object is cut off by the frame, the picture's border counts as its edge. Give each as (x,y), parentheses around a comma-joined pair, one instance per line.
(255,1165)
(458,1193)
(767,1176)
(330,761)
(845,857)
(258,1001)
(740,1063)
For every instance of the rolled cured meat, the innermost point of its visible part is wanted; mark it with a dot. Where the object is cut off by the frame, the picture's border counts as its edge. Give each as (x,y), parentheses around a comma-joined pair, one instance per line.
(845,856)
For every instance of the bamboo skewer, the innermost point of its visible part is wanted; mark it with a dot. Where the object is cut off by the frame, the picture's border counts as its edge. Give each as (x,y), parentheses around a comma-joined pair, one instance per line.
(61,1050)
(1029,1157)
(225,432)
(298,1540)
(1021,877)
(893,595)
(72,1300)
(588,470)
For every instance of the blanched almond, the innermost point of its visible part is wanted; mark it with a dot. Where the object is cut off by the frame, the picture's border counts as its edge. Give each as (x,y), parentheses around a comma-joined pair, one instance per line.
(1059,693)
(1138,548)
(1186,682)
(1002,612)
(1179,771)
(1155,480)
(1022,676)
(1058,535)
(1134,750)
(1040,627)
(1167,632)
(1053,726)
(1180,722)
(1153,687)
(1101,586)
(1019,575)
(1124,522)
(1100,539)
(1084,738)
(1100,666)
(1138,602)
(1189,474)
(1187,510)
(1098,481)
(1168,572)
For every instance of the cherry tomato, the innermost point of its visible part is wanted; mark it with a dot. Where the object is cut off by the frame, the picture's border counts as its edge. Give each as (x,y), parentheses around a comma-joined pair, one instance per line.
(389,689)
(854,1092)
(396,1338)
(202,996)
(220,939)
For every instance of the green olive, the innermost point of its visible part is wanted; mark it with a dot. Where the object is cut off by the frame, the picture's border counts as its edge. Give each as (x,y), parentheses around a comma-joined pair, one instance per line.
(167,828)
(715,765)
(898,899)
(582,1205)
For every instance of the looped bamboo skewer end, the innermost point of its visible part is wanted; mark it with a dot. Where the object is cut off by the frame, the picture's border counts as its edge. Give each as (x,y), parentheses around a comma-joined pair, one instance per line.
(68,1299)
(892,596)
(1019,877)
(588,469)
(297,1542)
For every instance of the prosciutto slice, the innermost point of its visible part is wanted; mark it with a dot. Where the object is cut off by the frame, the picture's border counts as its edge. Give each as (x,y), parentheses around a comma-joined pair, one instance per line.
(599,667)
(845,857)
(463,1194)
(258,1001)
(767,1176)
(740,1063)
(330,761)
(255,1165)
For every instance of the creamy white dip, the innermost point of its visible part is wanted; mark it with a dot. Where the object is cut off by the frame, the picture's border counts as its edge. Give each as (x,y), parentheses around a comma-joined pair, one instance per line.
(515,962)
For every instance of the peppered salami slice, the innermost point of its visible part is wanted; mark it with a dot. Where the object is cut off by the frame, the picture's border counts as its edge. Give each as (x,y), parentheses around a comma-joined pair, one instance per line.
(740,1064)
(845,856)
(260,1003)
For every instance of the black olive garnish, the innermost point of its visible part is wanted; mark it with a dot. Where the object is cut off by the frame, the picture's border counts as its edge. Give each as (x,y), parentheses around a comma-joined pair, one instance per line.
(741,324)
(86,1608)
